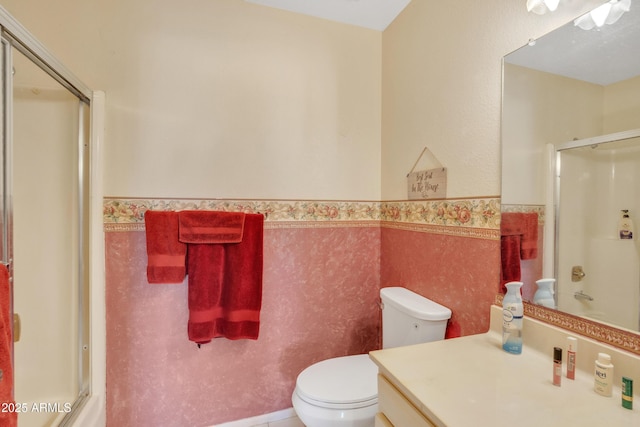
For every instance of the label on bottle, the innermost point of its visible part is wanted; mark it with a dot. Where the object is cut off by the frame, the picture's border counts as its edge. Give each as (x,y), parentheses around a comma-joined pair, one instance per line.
(627,393)
(571,365)
(557,373)
(626,234)
(513,308)
(602,381)
(512,328)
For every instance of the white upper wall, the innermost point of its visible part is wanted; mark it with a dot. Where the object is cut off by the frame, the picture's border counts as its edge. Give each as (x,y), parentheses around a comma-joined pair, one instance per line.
(227,99)
(441,88)
(539,109)
(223,99)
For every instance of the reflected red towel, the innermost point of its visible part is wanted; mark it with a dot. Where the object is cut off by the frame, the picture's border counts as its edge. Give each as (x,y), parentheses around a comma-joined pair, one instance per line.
(525,225)
(165,253)
(225,285)
(529,243)
(510,257)
(211,227)
(511,223)
(9,419)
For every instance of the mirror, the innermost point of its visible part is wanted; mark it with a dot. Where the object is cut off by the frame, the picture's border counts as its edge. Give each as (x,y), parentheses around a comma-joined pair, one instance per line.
(571,109)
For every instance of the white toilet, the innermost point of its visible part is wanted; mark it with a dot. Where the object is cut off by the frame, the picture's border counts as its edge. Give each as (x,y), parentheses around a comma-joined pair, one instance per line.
(343,391)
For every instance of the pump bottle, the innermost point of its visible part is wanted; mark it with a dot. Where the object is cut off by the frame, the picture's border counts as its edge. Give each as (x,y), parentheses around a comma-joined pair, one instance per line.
(512,312)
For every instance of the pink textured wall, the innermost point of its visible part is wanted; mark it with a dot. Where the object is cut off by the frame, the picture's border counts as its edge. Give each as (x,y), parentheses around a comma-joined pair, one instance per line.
(319,300)
(324,264)
(461,273)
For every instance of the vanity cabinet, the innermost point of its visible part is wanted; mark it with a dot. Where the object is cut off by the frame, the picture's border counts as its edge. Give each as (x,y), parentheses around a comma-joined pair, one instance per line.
(395,409)
(471,381)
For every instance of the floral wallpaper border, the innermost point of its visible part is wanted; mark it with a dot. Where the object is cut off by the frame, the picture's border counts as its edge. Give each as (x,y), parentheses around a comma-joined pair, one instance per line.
(473,217)
(539,209)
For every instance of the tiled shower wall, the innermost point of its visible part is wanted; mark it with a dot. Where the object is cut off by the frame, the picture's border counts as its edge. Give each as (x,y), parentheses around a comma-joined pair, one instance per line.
(324,263)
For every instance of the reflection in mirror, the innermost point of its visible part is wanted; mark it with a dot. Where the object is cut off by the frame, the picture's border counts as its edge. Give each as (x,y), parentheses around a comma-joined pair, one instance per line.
(574,84)
(598,265)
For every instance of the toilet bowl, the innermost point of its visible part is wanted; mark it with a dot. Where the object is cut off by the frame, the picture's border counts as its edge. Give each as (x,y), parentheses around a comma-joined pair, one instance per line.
(343,391)
(338,391)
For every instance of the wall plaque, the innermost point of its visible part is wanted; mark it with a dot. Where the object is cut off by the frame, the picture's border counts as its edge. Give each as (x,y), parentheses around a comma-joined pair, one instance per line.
(427,184)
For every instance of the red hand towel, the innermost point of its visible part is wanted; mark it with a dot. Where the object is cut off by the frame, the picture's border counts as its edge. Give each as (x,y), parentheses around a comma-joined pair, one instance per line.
(225,281)
(510,257)
(211,227)
(10,418)
(166,254)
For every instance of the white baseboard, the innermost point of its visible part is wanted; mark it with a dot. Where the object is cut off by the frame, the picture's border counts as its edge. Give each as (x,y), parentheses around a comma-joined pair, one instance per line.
(261,419)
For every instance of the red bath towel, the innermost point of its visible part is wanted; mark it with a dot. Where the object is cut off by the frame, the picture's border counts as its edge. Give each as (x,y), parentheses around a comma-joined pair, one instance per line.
(7,418)
(166,254)
(525,225)
(211,227)
(529,243)
(510,257)
(225,281)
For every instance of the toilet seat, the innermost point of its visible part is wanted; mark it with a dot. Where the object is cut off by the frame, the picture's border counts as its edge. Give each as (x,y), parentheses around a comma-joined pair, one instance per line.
(348,382)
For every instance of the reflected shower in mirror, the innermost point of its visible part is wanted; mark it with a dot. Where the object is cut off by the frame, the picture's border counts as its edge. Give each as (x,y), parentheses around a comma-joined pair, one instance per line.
(598,262)
(569,87)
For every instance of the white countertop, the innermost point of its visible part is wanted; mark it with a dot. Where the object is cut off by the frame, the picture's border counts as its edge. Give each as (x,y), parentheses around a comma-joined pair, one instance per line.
(471,381)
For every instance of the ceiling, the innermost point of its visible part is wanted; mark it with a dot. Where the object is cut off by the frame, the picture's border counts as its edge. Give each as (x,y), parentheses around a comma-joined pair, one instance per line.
(373,14)
(602,56)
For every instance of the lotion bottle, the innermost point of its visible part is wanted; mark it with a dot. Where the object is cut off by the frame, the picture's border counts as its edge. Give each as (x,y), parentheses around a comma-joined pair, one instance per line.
(512,312)
(572,350)
(625,228)
(603,375)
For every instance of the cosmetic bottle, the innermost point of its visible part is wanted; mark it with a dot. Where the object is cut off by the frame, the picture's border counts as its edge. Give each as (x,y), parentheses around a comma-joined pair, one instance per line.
(557,366)
(603,375)
(625,228)
(627,393)
(572,350)
(512,312)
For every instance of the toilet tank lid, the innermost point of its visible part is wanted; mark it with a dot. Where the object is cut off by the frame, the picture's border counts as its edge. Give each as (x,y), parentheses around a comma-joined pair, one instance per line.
(413,304)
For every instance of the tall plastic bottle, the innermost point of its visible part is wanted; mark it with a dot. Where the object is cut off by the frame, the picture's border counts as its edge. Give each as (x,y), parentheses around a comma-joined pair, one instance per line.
(512,312)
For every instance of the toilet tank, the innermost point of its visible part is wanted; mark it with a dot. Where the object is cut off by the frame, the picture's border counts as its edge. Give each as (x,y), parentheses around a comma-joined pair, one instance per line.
(409,318)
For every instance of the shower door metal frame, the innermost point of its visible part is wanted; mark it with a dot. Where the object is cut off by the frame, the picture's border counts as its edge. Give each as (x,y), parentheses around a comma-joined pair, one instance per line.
(568,145)
(14,35)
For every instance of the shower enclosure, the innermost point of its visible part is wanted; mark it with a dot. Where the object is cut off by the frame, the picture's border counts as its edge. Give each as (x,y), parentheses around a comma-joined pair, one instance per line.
(47,209)
(598,272)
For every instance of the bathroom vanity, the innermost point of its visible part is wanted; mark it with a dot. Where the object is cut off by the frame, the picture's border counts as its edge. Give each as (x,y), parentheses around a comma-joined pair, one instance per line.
(471,381)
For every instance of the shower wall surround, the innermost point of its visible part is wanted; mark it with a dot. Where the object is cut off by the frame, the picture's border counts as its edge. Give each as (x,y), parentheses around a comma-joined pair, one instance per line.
(324,263)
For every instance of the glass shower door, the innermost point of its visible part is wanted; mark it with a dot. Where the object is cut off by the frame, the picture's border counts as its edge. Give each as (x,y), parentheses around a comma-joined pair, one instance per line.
(47,153)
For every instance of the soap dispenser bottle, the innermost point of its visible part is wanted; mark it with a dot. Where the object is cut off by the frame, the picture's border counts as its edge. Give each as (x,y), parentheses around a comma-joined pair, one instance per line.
(625,228)
(512,312)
